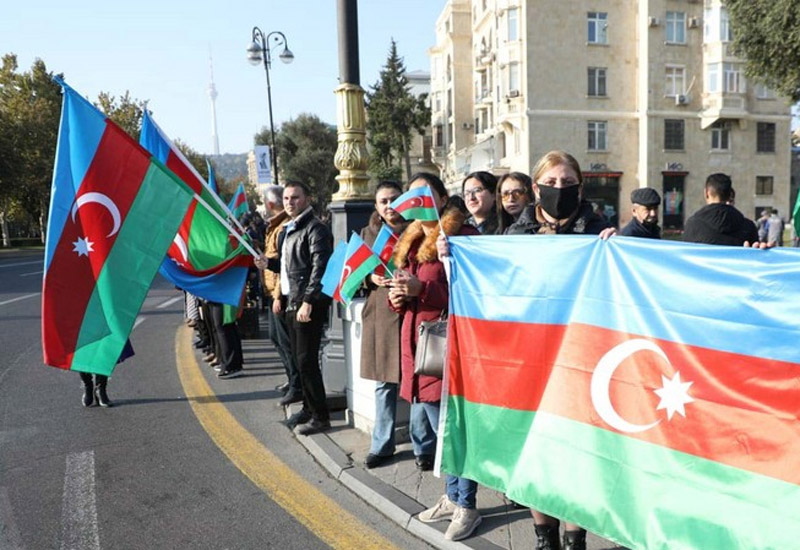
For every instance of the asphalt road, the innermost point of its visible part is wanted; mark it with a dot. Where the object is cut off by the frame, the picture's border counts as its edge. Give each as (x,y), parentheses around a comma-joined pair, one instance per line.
(146,473)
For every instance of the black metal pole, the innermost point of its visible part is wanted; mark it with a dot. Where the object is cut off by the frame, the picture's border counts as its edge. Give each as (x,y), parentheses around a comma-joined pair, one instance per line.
(274,152)
(348,42)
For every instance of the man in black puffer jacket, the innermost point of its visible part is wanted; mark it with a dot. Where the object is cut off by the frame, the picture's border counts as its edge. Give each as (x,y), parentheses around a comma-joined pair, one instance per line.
(304,245)
(718,222)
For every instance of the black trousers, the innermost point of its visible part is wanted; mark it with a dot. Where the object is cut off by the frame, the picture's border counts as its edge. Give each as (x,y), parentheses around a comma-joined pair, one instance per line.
(227,343)
(304,339)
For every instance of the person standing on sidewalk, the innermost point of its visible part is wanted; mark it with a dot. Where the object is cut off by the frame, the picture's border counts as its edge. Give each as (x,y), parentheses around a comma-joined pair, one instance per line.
(305,246)
(380,340)
(278,331)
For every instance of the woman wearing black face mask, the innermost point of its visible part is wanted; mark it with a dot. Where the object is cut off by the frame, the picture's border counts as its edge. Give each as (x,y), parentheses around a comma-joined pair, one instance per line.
(560,208)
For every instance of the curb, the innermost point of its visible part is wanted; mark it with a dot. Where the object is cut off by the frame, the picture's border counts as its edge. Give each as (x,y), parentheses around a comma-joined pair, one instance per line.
(395,505)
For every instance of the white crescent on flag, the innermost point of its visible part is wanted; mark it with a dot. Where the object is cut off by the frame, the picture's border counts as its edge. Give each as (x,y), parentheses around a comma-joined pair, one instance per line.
(181,244)
(102,199)
(416,202)
(601,379)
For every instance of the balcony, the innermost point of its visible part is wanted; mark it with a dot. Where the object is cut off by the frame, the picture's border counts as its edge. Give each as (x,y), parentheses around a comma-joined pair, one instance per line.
(719,105)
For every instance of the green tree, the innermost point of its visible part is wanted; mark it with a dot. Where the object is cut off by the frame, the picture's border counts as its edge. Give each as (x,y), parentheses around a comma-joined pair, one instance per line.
(30,106)
(306,147)
(393,114)
(767,35)
(125,112)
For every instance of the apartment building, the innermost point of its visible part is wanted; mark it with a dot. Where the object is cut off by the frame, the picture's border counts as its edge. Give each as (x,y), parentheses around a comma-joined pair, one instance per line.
(642,93)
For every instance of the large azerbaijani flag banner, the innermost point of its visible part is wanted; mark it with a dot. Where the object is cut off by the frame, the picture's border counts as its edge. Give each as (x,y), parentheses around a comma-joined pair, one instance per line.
(114,211)
(648,391)
(204,258)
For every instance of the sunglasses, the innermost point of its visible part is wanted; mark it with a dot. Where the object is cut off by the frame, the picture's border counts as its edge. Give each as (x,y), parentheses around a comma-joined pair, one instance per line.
(515,194)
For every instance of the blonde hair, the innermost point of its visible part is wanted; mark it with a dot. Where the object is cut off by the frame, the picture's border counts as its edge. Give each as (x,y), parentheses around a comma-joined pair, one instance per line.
(555,158)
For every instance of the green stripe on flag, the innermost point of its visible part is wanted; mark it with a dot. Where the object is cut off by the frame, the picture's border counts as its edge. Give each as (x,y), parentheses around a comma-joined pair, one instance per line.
(351,284)
(129,269)
(209,244)
(638,494)
(422,213)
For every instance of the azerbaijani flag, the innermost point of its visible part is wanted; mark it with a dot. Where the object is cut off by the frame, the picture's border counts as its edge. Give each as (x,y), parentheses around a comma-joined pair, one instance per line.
(648,391)
(238,205)
(333,269)
(416,204)
(359,262)
(204,259)
(113,213)
(383,247)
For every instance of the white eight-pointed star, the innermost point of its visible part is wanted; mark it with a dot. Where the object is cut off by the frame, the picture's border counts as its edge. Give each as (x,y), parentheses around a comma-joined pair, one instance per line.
(674,395)
(83,247)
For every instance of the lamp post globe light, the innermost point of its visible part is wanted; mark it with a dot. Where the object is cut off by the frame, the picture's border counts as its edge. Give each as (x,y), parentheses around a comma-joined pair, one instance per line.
(261,50)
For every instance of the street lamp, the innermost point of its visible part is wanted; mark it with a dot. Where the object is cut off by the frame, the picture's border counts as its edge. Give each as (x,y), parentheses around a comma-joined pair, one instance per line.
(260,50)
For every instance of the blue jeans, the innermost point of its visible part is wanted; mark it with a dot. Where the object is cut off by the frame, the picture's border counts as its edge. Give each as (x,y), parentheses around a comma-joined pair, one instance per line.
(423,423)
(385,415)
(461,490)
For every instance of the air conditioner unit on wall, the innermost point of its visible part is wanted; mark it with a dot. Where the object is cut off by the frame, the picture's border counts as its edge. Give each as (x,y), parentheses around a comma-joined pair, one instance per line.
(513,93)
(681,99)
(466,125)
(652,21)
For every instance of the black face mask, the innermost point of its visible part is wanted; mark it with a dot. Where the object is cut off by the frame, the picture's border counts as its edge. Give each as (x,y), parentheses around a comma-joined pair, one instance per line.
(559,202)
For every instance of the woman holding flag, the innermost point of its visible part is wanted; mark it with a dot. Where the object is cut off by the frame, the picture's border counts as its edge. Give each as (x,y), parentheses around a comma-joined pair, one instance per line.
(380,340)
(419,292)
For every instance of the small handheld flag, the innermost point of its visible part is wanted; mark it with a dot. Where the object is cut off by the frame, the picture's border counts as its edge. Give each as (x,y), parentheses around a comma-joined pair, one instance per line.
(333,271)
(238,204)
(359,262)
(383,247)
(416,204)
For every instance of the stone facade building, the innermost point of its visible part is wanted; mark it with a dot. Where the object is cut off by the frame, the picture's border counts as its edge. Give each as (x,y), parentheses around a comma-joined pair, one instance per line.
(643,93)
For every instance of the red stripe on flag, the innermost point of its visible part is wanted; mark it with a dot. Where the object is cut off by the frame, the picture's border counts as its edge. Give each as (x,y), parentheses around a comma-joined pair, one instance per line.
(423,201)
(240,199)
(69,282)
(743,413)
(185,173)
(361,255)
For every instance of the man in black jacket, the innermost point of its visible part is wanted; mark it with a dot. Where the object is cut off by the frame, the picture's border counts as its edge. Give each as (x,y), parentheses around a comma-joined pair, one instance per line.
(718,222)
(305,245)
(645,214)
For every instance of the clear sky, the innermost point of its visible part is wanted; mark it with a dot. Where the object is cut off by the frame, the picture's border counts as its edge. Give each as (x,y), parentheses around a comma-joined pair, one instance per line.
(159,51)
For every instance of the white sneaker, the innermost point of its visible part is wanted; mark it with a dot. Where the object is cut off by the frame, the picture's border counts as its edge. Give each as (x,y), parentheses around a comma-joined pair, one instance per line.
(465,520)
(442,510)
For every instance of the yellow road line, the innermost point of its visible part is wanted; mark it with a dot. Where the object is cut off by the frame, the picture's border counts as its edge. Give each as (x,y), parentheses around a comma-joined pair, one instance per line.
(319,513)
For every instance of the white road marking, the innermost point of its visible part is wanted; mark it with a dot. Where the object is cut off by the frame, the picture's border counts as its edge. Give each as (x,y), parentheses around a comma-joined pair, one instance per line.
(169,302)
(9,534)
(139,320)
(18,298)
(79,529)
(31,273)
(22,263)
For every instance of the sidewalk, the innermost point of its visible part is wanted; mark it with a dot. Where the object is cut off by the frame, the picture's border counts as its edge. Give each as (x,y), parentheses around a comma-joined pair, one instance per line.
(400,491)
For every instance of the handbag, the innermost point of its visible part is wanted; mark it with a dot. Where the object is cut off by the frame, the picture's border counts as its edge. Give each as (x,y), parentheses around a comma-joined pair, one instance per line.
(431,351)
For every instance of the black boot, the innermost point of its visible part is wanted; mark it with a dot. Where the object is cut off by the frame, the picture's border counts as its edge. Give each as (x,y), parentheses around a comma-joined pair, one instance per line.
(88,389)
(547,537)
(100,391)
(575,540)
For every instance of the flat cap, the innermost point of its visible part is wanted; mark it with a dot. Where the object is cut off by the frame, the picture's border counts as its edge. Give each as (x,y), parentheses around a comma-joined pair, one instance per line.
(646,196)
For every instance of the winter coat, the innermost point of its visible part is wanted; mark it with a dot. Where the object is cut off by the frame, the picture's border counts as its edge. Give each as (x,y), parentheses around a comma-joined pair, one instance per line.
(584,222)
(416,253)
(272,280)
(637,229)
(719,223)
(380,334)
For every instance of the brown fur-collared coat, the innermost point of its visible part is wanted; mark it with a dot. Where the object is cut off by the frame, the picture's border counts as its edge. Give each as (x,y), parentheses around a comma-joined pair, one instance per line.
(416,253)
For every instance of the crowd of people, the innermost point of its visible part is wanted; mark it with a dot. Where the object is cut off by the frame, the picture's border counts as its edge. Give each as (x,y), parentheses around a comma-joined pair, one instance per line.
(297,245)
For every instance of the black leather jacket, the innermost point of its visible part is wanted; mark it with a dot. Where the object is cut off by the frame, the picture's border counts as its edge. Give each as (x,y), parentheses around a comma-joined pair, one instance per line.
(308,247)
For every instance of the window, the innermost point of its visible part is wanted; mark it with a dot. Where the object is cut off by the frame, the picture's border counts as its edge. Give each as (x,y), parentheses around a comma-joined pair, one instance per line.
(713,78)
(598,27)
(675,81)
(597,82)
(676,27)
(438,136)
(725,32)
(673,135)
(732,78)
(513,77)
(513,24)
(598,130)
(762,92)
(720,136)
(764,185)
(765,142)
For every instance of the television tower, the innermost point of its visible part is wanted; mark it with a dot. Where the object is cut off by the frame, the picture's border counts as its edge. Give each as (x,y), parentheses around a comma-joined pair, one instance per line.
(212,93)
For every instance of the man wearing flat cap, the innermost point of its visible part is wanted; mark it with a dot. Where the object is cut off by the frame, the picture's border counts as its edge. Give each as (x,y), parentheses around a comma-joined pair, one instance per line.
(645,214)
